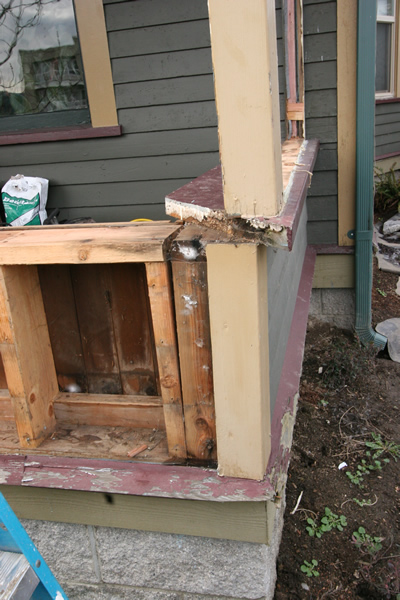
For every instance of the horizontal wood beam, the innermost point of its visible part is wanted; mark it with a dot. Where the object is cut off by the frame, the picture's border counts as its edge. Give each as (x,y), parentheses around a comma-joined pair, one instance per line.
(79,245)
(110,410)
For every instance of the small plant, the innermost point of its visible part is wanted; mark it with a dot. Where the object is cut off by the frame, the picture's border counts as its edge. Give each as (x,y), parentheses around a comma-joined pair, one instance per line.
(363,502)
(382,447)
(365,542)
(324,402)
(387,190)
(365,468)
(309,568)
(381,292)
(328,522)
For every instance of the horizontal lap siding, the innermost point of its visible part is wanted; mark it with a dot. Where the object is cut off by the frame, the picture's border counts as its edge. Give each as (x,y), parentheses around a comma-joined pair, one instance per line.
(163,80)
(387,128)
(320,78)
(162,73)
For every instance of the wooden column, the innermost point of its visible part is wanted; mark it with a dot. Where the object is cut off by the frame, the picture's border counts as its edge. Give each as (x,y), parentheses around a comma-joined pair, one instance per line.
(27,355)
(244,52)
(193,327)
(162,313)
(237,284)
(346,110)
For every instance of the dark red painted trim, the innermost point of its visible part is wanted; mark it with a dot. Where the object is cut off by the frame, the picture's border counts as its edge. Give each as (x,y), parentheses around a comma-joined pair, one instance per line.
(387,100)
(206,192)
(332,249)
(390,155)
(291,371)
(61,134)
(293,208)
(137,479)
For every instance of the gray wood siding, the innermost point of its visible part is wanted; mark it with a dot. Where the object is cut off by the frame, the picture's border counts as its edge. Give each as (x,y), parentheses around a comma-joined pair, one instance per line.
(284,272)
(163,80)
(162,71)
(387,128)
(321,117)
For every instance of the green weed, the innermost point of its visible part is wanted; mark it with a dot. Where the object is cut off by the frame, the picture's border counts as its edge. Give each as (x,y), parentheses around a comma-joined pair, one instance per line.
(328,522)
(309,568)
(366,543)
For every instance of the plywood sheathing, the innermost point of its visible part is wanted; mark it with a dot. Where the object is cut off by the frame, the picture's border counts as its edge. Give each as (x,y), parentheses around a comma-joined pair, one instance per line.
(202,200)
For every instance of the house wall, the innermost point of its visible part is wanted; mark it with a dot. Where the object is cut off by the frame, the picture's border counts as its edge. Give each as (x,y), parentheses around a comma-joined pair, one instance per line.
(105,563)
(284,272)
(162,72)
(321,117)
(387,128)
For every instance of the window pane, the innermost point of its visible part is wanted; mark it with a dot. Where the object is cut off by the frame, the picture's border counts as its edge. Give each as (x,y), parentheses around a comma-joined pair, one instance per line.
(383,57)
(385,8)
(40,62)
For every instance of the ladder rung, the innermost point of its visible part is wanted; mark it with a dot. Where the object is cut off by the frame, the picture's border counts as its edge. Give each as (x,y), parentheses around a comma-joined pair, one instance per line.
(17,578)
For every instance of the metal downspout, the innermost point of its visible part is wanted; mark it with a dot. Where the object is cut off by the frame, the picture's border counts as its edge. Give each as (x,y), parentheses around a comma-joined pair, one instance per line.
(366,40)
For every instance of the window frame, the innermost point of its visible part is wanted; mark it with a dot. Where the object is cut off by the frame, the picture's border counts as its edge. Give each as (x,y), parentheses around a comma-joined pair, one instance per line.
(394,88)
(91,26)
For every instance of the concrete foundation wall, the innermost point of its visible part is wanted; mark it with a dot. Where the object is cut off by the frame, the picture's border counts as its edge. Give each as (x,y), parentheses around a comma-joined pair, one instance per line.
(333,305)
(101,563)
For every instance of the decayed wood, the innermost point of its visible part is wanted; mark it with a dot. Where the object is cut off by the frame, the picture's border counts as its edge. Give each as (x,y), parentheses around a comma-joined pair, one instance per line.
(193,327)
(3,382)
(110,410)
(27,356)
(62,321)
(161,305)
(93,304)
(107,244)
(6,407)
(92,441)
(130,312)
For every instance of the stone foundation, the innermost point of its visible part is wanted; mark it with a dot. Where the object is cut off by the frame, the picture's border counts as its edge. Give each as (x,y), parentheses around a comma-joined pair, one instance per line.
(333,305)
(102,563)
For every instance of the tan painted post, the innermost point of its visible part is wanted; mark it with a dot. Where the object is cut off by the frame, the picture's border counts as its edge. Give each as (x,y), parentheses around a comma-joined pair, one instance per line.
(96,62)
(243,42)
(237,284)
(346,107)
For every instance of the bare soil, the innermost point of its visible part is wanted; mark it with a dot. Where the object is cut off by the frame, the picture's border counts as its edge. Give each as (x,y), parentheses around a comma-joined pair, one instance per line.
(349,397)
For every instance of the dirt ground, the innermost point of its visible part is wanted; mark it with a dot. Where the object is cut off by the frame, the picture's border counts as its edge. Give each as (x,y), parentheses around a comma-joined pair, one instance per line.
(349,412)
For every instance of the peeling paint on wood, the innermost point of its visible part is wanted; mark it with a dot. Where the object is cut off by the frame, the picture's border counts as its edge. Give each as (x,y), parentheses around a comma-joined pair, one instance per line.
(202,200)
(162,481)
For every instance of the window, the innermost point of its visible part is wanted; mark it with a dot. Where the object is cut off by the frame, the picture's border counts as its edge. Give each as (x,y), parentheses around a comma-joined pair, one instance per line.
(385,83)
(56,77)
(41,69)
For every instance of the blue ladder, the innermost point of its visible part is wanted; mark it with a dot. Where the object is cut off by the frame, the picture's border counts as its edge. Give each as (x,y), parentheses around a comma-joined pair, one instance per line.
(24,575)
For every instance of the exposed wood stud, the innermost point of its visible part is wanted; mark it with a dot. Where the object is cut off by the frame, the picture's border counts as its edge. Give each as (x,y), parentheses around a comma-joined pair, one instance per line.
(193,327)
(162,312)
(26,352)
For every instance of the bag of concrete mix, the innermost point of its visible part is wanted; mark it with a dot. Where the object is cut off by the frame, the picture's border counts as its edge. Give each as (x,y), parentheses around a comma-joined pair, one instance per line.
(24,200)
